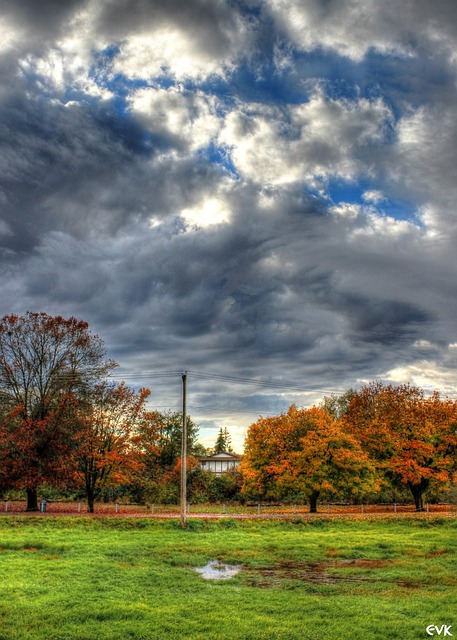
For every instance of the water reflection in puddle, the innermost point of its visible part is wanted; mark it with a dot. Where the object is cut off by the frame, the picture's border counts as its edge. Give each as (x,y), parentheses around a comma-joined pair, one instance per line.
(216,570)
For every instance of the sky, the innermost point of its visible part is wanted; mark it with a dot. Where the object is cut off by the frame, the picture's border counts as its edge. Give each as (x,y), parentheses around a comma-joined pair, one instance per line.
(261,193)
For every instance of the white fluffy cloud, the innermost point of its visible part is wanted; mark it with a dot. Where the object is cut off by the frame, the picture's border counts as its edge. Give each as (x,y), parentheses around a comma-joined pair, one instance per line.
(167,50)
(428,374)
(354,27)
(300,143)
(424,166)
(186,118)
(135,40)
(179,39)
(210,211)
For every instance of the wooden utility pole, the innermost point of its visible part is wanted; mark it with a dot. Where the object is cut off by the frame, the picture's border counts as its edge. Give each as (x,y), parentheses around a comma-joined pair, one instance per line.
(184,453)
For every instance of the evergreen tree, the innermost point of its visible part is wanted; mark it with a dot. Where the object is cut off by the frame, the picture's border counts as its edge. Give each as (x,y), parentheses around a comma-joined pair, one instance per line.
(223,442)
(228,441)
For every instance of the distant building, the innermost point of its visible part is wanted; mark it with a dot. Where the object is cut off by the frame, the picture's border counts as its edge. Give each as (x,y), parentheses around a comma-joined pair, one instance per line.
(220,462)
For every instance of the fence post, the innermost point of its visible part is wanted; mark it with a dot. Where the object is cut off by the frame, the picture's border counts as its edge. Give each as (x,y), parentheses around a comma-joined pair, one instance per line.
(258,509)
(426,507)
(395,507)
(79,507)
(117,508)
(362,507)
(152,508)
(328,507)
(6,505)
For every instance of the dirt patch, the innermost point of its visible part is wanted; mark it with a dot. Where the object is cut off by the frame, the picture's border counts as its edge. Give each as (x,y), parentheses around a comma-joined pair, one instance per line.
(438,552)
(409,585)
(272,576)
(313,572)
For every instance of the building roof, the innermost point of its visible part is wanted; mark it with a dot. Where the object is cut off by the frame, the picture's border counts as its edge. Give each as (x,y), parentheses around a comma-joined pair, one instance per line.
(221,456)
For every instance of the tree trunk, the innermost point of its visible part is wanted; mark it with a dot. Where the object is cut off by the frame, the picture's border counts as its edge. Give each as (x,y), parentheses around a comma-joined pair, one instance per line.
(417,491)
(313,501)
(90,501)
(32,500)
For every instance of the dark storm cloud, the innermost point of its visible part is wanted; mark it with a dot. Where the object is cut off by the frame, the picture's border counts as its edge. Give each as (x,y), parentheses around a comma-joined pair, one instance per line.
(88,170)
(241,290)
(40,19)
(384,322)
(167,171)
(70,158)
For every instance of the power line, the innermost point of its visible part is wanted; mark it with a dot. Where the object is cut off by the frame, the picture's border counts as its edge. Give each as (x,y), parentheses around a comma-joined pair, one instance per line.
(203,376)
(241,380)
(256,382)
(216,377)
(220,410)
(146,374)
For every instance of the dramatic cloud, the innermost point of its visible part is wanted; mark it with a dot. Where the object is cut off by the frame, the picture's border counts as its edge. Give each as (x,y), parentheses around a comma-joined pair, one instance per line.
(186,120)
(261,193)
(177,38)
(301,143)
(353,28)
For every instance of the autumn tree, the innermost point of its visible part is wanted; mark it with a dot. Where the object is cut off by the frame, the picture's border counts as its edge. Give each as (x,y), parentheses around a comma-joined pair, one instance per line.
(46,362)
(267,442)
(111,419)
(304,452)
(411,438)
(160,438)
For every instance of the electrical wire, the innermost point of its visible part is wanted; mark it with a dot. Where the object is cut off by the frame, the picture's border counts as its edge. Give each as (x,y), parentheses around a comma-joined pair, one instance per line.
(203,376)
(255,382)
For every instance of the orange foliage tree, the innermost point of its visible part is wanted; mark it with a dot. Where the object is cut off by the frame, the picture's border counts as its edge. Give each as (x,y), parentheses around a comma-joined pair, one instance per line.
(304,452)
(46,363)
(108,452)
(411,438)
(160,444)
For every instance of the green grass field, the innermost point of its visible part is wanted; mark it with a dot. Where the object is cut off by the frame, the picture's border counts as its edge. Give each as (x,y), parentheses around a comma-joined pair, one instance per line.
(113,578)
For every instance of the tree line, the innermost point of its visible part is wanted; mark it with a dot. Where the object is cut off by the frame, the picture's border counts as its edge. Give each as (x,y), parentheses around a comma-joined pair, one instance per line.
(376,439)
(65,425)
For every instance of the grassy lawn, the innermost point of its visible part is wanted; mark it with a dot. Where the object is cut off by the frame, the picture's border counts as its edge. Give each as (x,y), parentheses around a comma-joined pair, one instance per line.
(100,579)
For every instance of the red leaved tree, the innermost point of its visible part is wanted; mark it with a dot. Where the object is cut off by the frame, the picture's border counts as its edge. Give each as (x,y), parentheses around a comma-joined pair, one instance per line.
(109,445)
(411,438)
(46,363)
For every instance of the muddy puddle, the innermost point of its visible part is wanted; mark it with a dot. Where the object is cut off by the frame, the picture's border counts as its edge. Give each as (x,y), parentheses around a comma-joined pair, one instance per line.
(341,571)
(314,572)
(216,570)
